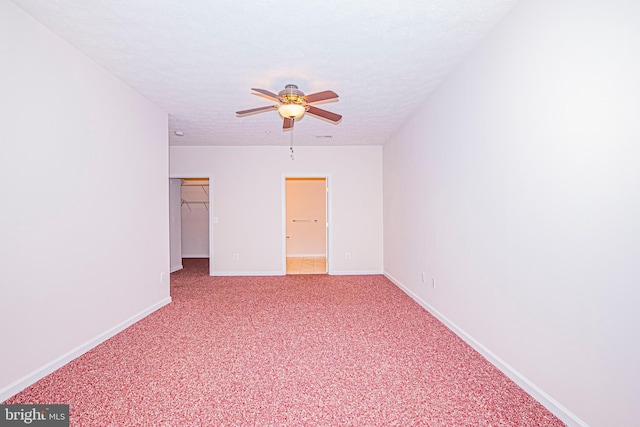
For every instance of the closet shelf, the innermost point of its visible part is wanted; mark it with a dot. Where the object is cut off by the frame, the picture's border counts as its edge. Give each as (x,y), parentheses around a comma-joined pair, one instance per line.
(191,202)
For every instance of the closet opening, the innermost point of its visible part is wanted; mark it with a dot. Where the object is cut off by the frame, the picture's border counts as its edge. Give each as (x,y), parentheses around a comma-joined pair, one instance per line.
(190,205)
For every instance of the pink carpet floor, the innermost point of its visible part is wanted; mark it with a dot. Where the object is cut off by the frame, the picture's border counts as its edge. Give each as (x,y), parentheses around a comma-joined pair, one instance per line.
(307,350)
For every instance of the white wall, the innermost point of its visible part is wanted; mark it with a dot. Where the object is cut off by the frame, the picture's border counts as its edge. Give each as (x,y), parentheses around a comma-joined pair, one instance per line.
(517,187)
(247,188)
(84,218)
(306,205)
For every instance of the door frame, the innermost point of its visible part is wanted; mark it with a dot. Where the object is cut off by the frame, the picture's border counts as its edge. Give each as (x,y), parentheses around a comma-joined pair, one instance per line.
(212,219)
(328,235)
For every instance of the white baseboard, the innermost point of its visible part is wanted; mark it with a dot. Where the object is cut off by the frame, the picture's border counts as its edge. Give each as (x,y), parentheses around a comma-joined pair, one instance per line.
(354,272)
(24,382)
(282,273)
(537,393)
(176,268)
(247,273)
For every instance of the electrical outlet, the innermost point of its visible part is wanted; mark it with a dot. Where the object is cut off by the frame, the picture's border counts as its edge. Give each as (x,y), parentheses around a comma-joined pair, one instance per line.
(423,277)
(433,282)
(347,255)
(236,257)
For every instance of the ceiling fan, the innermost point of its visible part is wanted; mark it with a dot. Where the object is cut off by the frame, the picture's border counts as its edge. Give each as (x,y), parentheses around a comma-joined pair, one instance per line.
(293,104)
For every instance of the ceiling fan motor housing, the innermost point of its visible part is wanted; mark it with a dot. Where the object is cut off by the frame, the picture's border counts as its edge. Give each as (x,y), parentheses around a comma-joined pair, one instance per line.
(291,95)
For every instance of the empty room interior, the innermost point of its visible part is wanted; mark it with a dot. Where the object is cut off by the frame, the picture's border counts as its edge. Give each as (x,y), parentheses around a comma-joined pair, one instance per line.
(476,160)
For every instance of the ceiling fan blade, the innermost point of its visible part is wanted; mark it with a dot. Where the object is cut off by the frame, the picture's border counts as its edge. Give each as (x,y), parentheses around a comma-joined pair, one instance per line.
(324,114)
(267,94)
(288,123)
(321,96)
(256,110)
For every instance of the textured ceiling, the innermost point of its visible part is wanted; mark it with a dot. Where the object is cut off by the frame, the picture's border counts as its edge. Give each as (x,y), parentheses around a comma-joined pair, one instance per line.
(199,59)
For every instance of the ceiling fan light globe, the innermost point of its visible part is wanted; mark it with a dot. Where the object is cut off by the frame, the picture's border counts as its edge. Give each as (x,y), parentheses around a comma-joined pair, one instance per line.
(291,111)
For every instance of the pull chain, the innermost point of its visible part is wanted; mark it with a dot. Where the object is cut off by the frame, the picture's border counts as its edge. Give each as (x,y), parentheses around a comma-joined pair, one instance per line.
(291,144)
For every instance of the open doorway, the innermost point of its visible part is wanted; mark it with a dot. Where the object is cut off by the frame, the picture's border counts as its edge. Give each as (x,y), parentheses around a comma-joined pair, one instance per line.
(189,227)
(306,225)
